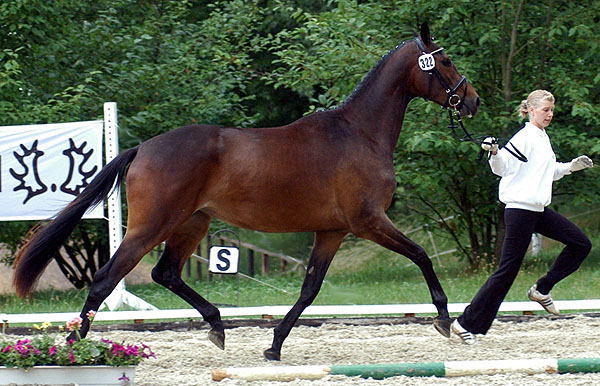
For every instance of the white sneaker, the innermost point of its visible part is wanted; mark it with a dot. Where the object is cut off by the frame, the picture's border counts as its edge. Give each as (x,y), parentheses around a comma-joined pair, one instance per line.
(466,336)
(544,300)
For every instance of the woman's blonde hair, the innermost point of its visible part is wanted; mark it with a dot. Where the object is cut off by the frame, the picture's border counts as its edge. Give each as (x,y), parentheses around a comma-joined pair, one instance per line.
(533,99)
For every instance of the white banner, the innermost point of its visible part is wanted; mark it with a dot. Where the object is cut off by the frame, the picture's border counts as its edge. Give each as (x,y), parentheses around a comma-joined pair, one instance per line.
(44,167)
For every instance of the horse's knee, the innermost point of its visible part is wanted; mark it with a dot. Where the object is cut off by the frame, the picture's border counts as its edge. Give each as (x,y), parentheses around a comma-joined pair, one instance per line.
(99,291)
(101,286)
(308,294)
(421,258)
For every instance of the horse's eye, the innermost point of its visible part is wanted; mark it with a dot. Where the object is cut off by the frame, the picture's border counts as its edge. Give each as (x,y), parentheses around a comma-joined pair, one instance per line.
(447,62)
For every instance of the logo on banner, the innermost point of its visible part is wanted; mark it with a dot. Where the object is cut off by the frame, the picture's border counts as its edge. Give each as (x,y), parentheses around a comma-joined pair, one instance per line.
(44,167)
(224,259)
(31,182)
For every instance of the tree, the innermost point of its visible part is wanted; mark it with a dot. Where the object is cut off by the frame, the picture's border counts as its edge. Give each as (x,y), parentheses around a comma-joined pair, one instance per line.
(169,63)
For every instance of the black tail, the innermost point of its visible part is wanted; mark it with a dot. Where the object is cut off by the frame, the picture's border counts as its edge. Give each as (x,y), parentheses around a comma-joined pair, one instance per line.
(34,256)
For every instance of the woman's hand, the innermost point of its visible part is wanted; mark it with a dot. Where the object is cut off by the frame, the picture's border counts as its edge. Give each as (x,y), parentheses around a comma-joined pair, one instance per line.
(581,163)
(490,144)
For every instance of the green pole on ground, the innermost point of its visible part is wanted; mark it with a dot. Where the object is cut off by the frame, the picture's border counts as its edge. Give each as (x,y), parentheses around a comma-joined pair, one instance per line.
(381,371)
(579,365)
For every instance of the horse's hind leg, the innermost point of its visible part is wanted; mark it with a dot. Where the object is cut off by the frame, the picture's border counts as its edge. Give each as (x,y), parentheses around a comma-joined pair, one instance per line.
(325,246)
(178,248)
(382,231)
(133,247)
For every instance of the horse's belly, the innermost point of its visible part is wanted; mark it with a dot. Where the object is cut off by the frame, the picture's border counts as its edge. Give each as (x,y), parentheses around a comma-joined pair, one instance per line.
(269,217)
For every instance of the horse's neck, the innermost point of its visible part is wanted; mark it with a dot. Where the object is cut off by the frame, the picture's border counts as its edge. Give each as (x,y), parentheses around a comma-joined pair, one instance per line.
(378,111)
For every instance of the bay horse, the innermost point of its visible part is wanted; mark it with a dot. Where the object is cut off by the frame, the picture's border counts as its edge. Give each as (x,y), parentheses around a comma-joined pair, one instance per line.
(330,172)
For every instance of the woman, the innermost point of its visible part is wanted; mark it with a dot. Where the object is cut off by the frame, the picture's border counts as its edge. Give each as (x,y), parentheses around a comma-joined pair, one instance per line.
(528,167)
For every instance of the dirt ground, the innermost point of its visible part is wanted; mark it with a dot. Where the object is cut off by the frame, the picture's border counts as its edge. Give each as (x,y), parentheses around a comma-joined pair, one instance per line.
(187,358)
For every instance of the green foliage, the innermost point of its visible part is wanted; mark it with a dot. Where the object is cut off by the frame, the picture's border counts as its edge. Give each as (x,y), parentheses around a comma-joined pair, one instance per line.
(163,68)
(12,236)
(249,62)
(326,56)
(506,52)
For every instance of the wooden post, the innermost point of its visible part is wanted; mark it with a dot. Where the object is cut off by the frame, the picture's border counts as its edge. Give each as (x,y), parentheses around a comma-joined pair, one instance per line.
(283,264)
(208,242)
(251,262)
(198,263)
(265,265)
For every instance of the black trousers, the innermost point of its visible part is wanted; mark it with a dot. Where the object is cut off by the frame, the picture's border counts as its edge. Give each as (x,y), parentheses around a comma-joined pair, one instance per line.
(520,225)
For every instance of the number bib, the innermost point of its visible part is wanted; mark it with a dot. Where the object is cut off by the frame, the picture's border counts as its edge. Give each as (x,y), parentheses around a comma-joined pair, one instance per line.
(426,62)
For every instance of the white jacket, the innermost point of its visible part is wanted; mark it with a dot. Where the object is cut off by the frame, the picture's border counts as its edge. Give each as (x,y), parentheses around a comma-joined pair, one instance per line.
(528,185)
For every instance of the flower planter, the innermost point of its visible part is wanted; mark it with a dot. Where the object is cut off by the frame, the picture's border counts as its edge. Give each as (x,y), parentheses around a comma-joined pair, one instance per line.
(80,375)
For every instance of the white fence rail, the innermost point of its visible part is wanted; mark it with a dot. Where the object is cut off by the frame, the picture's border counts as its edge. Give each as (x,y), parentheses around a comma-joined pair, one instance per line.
(316,310)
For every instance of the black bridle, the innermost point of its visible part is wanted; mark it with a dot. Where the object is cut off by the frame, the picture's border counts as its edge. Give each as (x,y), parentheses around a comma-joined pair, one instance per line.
(454,100)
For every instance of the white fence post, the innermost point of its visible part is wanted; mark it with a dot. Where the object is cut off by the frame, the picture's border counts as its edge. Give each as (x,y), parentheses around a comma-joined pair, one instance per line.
(536,244)
(120,295)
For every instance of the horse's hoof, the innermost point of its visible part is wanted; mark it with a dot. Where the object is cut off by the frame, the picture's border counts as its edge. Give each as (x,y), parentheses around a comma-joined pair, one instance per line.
(218,338)
(442,325)
(272,355)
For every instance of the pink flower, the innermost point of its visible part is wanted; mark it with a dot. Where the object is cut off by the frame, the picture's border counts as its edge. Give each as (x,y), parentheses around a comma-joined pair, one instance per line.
(131,350)
(52,351)
(71,357)
(7,348)
(74,324)
(150,353)
(91,315)
(23,347)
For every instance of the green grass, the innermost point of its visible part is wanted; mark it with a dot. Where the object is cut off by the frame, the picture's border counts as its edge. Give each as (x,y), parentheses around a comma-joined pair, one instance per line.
(44,301)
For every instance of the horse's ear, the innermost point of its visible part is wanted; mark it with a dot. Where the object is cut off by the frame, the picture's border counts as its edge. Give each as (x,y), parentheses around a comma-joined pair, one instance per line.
(425,34)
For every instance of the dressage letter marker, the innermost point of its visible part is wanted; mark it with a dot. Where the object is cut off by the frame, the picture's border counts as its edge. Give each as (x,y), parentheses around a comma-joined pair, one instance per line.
(427,369)
(224,259)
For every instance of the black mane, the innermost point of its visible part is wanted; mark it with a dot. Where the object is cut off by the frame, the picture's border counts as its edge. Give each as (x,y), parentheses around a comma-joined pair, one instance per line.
(370,75)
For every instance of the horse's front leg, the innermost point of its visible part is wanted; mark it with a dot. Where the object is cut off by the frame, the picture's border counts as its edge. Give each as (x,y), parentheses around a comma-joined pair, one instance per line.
(382,231)
(325,246)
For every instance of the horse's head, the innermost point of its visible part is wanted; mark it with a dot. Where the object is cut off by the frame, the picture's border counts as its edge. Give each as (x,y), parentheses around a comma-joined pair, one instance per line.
(437,79)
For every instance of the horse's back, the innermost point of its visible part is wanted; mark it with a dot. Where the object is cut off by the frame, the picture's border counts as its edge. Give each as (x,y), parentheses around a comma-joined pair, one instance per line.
(305,176)
(272,179)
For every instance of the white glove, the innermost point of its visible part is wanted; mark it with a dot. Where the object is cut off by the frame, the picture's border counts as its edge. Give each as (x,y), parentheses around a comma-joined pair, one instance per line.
(490,144)
(581,163)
